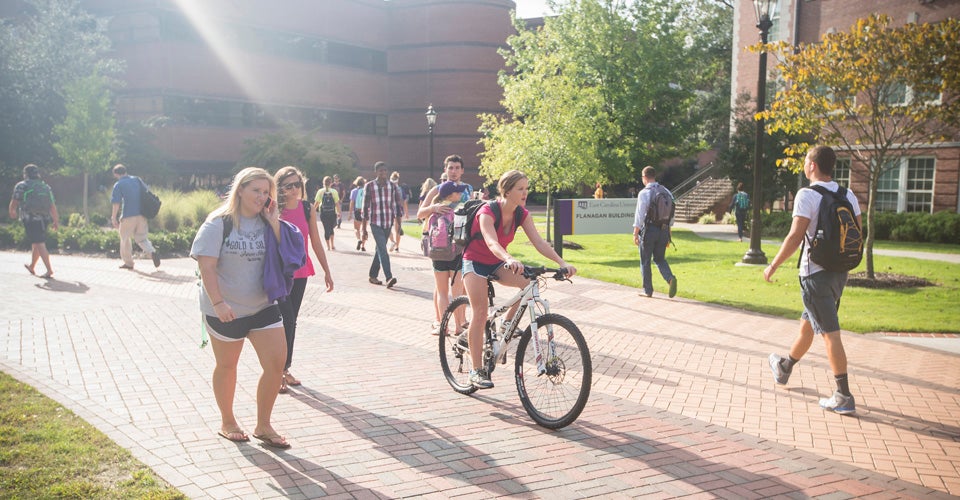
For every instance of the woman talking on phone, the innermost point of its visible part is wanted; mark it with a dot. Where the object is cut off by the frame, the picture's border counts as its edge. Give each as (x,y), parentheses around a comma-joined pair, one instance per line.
(234,301)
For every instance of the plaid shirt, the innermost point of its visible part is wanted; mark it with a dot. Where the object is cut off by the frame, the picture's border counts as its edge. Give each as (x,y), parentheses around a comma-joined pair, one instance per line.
(381,203)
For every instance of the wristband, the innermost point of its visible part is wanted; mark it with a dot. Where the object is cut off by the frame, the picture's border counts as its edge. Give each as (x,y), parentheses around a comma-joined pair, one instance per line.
(218,303)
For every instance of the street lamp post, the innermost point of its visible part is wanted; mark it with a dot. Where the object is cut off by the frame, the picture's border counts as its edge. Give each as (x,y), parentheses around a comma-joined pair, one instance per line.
(755,255)
(431,121)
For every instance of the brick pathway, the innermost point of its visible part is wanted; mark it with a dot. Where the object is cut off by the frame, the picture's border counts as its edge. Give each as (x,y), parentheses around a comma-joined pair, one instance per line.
(683,406)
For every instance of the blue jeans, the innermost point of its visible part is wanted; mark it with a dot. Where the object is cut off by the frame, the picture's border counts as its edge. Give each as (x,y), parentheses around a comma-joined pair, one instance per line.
(653,244)
(741,221)
(382,256)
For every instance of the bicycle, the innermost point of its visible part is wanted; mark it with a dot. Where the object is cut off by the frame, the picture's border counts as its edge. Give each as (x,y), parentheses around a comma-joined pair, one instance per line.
(552,368)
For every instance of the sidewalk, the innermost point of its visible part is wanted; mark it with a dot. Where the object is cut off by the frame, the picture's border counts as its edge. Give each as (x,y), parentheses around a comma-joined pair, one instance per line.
(683,403)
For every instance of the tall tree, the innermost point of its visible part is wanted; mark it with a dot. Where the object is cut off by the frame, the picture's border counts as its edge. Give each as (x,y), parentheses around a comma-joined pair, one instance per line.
(879,92)
(595,94)
(301,149)
(53,43)
(87,138)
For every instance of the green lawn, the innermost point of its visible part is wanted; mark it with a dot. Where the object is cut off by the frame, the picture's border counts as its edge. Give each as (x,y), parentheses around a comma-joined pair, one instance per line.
(706,271)
(48,452)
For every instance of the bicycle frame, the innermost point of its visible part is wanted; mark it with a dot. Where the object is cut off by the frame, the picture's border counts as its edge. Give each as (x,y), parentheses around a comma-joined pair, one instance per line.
(529,299)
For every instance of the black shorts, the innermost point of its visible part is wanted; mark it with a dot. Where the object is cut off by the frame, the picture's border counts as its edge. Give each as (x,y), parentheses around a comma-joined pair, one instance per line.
(35,229)
(239,328)
(456,264)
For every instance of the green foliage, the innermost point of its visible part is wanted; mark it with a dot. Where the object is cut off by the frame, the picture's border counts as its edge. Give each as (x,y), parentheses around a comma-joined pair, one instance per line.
(774,224)
(598,92)
(48,452)
(184,209)
(941,227)
(44,46)
(316,159)
(893,89)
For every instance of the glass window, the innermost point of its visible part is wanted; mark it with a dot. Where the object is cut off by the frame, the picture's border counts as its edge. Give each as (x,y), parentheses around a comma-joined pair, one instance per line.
(888,187)
(841,172)
(907,186)
(919,185)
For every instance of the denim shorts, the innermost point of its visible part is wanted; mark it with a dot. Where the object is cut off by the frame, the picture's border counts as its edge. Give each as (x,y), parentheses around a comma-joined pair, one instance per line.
(821,293)
(239,328)
(482,270)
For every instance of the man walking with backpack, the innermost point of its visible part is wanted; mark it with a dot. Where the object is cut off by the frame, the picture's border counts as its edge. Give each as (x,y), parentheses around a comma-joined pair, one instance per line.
(651,230)
(821,278)
(126,217)
(33,199)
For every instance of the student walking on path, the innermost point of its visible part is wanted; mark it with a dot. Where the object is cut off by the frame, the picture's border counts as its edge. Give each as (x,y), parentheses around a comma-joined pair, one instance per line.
(328,204)
(299,212)
(651,230)
(126,217)
(820,289)
(32,201)
(740,205)
(381,209)
(234,300)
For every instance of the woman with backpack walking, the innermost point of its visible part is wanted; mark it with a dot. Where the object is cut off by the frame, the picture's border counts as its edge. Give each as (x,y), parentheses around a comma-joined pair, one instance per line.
(447,258)
(299,212)
(740,205)
(328,204)
(486,255)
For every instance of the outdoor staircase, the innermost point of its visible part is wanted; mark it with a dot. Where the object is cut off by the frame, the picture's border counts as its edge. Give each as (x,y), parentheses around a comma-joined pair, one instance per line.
(702,198)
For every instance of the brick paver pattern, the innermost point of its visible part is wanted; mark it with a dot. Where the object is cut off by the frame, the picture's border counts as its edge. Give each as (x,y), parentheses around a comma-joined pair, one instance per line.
(683,403)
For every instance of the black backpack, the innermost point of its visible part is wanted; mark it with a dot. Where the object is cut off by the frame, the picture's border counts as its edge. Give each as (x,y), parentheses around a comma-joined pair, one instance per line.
(326,202)
(838,242)
(660,211)
(464,217)
(149,202)
(37,198)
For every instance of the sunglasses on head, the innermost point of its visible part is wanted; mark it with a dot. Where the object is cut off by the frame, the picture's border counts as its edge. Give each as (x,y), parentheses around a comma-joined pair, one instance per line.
(292,185)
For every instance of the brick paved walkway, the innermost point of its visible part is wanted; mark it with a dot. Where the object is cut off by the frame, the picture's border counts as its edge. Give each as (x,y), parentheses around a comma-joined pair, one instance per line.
(680,407)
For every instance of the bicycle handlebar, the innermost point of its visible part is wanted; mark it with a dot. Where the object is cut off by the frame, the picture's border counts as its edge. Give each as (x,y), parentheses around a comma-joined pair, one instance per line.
(531,272)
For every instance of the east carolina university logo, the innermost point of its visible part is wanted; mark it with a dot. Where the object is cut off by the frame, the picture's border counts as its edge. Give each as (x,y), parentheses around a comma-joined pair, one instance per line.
(583,205)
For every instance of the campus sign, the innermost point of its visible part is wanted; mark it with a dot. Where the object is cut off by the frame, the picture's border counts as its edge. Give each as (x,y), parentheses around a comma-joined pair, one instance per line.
(590,216)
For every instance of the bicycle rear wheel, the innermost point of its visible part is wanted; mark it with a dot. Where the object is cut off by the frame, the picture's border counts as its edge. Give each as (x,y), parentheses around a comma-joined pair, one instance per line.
(454,355)
(555,398)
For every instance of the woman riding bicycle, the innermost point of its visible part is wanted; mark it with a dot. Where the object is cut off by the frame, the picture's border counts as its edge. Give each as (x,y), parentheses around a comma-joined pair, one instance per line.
(487,256)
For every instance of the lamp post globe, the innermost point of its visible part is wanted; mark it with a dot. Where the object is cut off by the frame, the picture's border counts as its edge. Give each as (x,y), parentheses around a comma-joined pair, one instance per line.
(431,121)
(755,255)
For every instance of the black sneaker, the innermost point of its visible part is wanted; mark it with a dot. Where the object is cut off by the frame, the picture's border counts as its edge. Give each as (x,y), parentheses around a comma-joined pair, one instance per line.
(156,259)
(480,379)
(391,282)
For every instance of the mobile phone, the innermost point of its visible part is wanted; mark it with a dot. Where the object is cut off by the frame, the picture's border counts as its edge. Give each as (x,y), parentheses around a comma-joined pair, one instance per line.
(268,203)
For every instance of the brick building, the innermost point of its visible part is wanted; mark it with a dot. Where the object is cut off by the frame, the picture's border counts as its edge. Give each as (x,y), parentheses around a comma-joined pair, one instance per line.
(362,72)
(927,180)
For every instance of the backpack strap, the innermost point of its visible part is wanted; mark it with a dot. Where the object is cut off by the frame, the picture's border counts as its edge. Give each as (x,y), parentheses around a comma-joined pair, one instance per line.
(306,210)
(227,227)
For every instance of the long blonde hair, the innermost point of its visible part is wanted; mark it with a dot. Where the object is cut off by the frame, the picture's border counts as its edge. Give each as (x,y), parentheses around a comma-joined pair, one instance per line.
(231,206)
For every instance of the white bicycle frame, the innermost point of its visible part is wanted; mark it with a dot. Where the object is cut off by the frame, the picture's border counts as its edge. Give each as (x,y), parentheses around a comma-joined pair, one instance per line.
(529,298)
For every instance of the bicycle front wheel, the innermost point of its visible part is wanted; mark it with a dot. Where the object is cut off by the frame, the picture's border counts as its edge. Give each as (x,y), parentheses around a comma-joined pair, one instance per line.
(454,354)
(555,397)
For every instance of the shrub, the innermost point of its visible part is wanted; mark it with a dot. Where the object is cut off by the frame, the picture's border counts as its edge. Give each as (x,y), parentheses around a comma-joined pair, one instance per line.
(775,224)
(707,218)
(941,227)
(729,218)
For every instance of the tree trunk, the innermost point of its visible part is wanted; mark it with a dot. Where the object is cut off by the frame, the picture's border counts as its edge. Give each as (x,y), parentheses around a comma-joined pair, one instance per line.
(871,231)
(86,182)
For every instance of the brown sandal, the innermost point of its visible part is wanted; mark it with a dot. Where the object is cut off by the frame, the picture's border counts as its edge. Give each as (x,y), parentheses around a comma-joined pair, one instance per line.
(290,379)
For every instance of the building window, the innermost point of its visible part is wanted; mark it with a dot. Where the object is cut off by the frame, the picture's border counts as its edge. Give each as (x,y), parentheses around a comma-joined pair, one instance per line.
(841,172)
(774,34)
(907,186)
(225,113)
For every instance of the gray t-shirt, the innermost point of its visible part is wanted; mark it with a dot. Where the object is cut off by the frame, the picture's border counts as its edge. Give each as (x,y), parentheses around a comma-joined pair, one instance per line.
(240,264)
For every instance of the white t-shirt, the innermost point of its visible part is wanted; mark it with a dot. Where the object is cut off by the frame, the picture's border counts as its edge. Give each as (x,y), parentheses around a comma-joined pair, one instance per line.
(240,264)
(807,204)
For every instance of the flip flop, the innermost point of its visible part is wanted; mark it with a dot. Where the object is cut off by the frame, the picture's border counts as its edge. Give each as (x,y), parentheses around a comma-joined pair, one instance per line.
(29,270)
(226,435)
(47,275)
(270,440)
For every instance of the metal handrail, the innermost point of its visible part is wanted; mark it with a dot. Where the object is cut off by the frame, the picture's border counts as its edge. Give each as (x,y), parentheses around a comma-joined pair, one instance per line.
(684,187)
